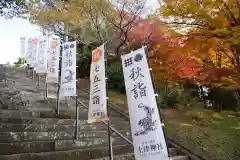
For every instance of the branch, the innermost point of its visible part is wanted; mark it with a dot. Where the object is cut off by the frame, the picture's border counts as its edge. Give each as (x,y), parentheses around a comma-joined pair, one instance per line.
(188,24)
(229,12)
(95,23)
(238,7)
(74,37)
(231,58)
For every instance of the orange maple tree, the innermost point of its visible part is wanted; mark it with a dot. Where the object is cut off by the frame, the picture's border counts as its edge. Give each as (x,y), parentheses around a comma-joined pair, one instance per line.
(166,51)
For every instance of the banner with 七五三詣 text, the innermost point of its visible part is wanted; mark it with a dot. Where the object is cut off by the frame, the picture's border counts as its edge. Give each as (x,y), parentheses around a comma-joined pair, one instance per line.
(98,100)
(42,55)
(53,61)
(68,70)
(148,137)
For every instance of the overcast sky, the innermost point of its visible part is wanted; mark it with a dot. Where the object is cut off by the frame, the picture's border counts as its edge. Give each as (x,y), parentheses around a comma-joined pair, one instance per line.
(12,29)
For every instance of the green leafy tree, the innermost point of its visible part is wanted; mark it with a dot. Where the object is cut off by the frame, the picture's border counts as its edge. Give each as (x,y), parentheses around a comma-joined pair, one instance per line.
(12,8)
(19,63)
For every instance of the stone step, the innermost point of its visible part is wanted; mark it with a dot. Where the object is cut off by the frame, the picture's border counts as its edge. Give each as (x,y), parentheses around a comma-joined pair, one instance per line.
(64,115)
(179,158)
(10,107)
(62,145)
(18,113)
(49,108)
(47,136)
(83,114)
(25,147)
(58,145)
(130,156)
(118,123)
(57,121)
(8,127)
(31,120)
(97,142)
(79,154)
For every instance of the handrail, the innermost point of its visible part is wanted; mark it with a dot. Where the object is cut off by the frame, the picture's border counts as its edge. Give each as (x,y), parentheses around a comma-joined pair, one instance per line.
(184,149)
(112,128)
(115,109)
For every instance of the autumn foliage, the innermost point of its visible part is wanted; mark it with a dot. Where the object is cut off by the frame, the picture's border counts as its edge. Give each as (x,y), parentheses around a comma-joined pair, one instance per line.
(189,39)
(166,50)
(212,38)
(208,53)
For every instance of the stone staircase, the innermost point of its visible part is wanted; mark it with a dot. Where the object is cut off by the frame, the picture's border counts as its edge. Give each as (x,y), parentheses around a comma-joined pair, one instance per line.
(28,133)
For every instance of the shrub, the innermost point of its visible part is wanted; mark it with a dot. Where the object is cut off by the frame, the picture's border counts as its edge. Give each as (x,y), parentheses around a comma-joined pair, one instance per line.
(84,64)
(168,101)
(197,116)
(172,98)
(115,77)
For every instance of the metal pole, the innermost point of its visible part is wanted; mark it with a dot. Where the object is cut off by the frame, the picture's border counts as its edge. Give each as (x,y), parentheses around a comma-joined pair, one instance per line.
(58,102)
(110,141)
(77,115)
(77,109)
(45,91)
(109,124)
(59,81)
(46,86)
(38,84)
(33,74)
(26,70)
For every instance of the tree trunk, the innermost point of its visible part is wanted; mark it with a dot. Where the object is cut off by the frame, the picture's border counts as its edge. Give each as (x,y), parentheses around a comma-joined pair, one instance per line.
(237,96)
(165,88)
(203,97)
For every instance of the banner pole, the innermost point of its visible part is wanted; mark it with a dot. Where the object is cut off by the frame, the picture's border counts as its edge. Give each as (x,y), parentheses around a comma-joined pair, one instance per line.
(59,83)
(38,84)
(45,91)
(45,87)
(109,137)
(77,116)
(27,70)
(58,102)
(77,109)
(33,75)
(108,114)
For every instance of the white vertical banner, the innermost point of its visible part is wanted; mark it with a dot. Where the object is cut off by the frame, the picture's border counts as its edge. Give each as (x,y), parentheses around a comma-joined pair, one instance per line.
(68,70)
(42,55)
(148,137)
(34,53)
(29,51)
(98,99)
(23,47)
(53,61)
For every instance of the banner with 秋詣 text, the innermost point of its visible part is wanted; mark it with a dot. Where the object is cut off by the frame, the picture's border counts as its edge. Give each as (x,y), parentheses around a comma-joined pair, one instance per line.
(148,137)
(68,70)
